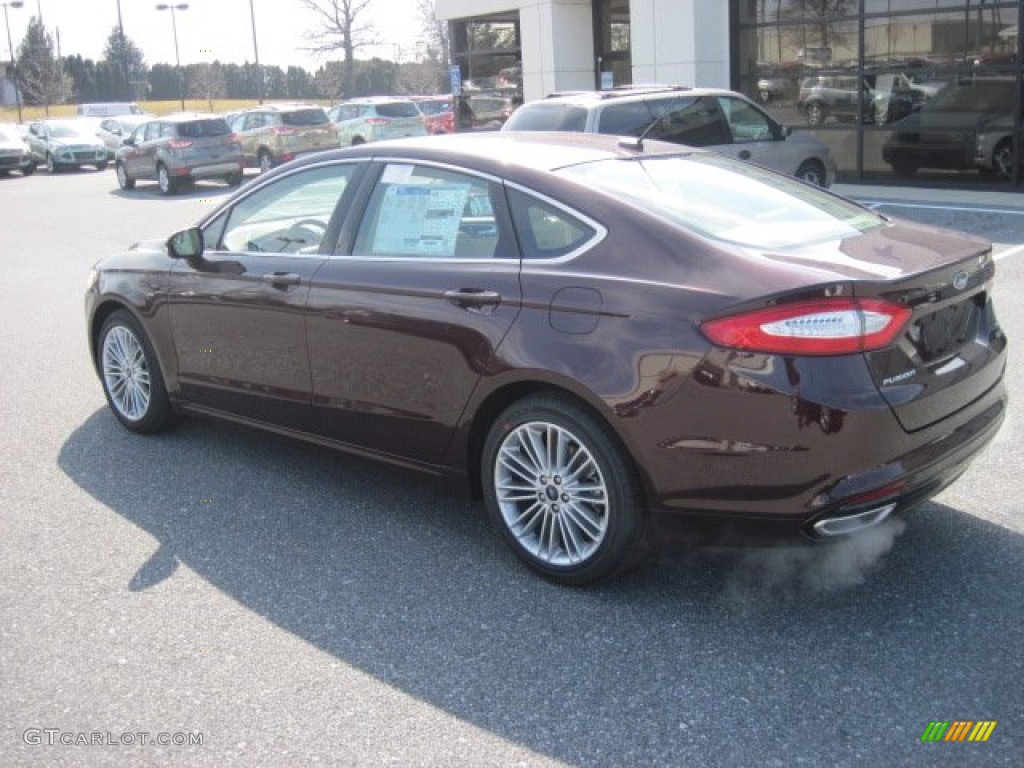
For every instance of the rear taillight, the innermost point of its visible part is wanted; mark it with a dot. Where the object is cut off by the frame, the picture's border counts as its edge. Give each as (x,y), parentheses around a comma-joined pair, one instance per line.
(179,144)
(826,327)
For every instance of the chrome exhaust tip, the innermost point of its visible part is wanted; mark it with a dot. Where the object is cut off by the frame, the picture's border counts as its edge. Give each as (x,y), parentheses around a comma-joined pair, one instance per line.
(846,524)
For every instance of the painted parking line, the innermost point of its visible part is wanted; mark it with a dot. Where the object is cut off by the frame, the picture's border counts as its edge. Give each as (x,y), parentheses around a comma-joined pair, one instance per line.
(1017,249)
(873,204)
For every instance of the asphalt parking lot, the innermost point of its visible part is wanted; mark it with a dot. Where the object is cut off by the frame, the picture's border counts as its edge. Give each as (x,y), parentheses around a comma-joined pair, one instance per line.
(288,606)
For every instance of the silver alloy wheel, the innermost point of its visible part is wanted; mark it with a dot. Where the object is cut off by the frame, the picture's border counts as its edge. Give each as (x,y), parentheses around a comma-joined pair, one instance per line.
(122,176)
(265,162)
(551,493)
(126,373)
(163,179)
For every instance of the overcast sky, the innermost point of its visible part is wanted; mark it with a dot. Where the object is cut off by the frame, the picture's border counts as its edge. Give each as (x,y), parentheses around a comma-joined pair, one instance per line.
(208,30)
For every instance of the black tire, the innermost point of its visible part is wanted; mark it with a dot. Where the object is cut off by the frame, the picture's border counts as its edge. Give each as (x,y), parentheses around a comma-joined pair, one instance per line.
(590,499)
(51,166)
(130,374)
(811,172)
(234,179)
(101,166)
(815,113)
(357,141)
(1002,159)
(168,184)
(28,170)
(124,181)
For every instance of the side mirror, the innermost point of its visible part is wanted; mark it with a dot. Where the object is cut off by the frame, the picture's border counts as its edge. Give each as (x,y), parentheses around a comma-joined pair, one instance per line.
(187,244)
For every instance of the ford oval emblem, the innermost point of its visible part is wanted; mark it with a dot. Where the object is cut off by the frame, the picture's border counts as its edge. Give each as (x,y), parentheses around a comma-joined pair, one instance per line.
(960,280)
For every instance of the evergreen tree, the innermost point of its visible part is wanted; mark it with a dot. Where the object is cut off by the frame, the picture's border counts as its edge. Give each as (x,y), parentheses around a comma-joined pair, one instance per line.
(126,59)
(42,78)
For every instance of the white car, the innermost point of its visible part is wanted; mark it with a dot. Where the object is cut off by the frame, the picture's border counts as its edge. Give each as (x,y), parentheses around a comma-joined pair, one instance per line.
(15,154)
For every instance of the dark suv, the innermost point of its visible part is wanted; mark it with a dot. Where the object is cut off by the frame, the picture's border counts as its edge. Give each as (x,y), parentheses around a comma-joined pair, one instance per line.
(180,148)
(724,121)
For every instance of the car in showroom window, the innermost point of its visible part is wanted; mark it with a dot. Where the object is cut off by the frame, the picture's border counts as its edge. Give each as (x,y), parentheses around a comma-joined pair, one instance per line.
(614,342)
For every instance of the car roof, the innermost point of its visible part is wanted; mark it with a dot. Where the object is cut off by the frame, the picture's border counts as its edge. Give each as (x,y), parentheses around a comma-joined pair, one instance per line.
(184,117)
(279,108)
(375,100)
(502,153)
(627,95)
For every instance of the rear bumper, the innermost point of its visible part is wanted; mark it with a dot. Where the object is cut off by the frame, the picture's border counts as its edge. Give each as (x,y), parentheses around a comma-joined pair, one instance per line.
(212,170)
(835,465)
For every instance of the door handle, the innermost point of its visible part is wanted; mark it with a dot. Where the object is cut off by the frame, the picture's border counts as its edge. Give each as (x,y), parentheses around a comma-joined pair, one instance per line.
(473,298)
(282,279)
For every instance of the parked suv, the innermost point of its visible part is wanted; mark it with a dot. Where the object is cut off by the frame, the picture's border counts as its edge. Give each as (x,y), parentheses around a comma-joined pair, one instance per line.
(842,97)
(180,148)
(66,144)
(14,152)
(376,118)
(960,128)
(276,133)
(724,121)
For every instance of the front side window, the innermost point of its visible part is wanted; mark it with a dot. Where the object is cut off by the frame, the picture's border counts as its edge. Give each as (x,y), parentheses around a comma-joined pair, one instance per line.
(746,122)
(290,215)
(423,212)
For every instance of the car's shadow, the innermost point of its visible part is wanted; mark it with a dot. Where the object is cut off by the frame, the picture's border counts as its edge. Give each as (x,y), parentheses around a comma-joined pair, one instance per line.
(711,657)
(196,190)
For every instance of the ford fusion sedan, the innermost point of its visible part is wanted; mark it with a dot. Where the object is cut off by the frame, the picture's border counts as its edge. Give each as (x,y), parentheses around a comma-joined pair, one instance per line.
(615,342)
(64,144)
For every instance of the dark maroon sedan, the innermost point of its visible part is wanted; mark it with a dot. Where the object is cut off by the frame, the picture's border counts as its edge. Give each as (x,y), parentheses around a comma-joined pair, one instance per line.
(613,341)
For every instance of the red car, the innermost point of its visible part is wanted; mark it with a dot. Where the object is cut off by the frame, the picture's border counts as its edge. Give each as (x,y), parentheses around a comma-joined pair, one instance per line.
(612,340)
(438,113)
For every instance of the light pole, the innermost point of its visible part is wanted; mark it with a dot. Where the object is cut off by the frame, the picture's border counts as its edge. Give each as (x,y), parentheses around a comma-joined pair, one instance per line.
(256,53)
(177,58)
(7,21)
(124,55)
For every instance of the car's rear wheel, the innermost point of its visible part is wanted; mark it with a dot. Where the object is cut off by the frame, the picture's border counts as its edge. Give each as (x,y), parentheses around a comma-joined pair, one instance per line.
(812,172)
(562,490)
(234,179)
(28,170)
(815,113)
(1002,159)
(132,381)
(266,161)
(123,180)
(358,140)
(167,183)
(101,166)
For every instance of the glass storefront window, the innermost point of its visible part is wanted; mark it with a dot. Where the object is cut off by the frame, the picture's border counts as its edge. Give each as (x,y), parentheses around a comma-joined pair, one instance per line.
(923,89)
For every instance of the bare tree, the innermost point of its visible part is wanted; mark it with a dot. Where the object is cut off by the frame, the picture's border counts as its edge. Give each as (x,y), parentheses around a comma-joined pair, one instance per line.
(340,27)
(207,81)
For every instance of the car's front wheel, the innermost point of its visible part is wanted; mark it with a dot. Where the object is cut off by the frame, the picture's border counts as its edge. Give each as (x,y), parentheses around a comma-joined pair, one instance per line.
(562,490)
(132,381)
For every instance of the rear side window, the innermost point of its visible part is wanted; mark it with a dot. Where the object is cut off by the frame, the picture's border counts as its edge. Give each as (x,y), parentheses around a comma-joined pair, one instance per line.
(198,129)
(548,117)
(398,109)
(303,117)
(694,121)
(544,231)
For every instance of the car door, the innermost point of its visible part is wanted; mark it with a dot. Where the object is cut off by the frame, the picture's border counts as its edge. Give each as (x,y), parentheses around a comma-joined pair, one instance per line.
(238,314)
(401,328)
(132,156)
(753,135)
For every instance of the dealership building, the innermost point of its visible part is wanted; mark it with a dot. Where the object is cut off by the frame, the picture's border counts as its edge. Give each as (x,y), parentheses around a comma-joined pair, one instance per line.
(919,91)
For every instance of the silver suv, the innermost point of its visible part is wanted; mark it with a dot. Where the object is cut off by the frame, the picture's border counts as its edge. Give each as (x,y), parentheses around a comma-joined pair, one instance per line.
(726,122)
(180,148)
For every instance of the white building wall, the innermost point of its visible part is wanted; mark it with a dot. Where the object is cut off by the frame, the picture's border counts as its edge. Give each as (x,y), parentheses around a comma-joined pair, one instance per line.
(682,42)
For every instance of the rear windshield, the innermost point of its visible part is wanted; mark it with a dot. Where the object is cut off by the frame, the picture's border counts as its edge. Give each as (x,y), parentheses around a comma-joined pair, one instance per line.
(721,198)
(398,109)
(197,129)
(434,107)
(301,117)
(547,117)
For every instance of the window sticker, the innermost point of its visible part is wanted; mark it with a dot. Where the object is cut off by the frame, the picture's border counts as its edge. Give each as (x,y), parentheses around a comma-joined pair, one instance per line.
(420,220)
